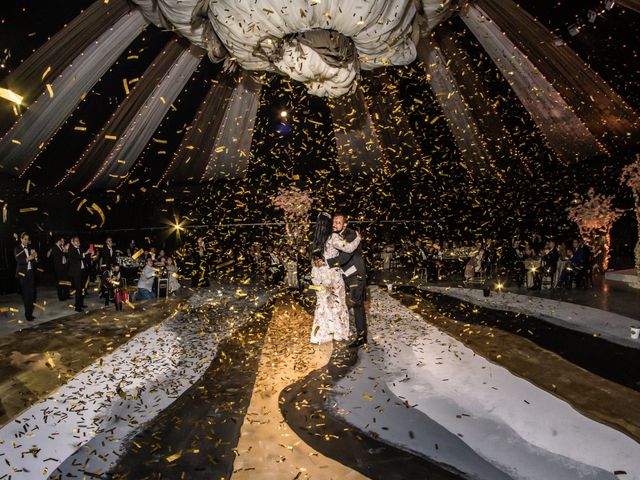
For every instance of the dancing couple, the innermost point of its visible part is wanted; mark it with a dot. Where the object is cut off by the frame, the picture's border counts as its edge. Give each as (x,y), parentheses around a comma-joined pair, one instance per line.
(338,268)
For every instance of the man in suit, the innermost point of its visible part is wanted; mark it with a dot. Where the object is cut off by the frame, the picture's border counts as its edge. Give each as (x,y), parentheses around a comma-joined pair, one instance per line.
(355,277)
(78,270)
(107,255)
(60,267)
(26,259)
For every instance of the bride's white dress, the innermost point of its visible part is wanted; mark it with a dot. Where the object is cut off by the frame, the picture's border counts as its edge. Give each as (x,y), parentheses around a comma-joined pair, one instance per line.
(331,317)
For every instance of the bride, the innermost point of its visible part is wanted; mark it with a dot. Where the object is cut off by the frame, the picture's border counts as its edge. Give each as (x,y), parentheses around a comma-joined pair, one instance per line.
(331,317)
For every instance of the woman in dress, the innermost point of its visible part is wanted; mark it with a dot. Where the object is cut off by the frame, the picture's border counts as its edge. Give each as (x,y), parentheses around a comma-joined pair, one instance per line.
(200,261)
(172,275)
(331,317)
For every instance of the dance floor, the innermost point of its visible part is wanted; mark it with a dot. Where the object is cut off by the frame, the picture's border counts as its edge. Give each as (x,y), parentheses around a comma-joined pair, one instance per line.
(223,383)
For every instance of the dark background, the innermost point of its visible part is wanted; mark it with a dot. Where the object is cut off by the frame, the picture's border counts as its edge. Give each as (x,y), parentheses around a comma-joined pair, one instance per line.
(434,193)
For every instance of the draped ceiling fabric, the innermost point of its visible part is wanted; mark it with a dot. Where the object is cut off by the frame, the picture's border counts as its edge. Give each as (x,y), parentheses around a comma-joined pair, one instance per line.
(391,125)
(230,155)
(107,160)
(270,35)
(479,100)
(565,132)
(192,156)
(603,111)
(29,79)
(357,142)
(461,123)
(25,140)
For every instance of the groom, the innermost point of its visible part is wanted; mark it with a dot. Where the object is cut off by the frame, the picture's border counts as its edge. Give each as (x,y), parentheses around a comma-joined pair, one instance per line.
(355,276)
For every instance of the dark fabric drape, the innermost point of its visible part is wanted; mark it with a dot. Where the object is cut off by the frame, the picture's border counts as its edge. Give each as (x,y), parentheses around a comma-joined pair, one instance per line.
(357,143)
(603,111)
(192,156)
(46,114)
(111,154)
(394,132)
(459,118)
(58,52)
(230,155)
(566,133)
(480,101)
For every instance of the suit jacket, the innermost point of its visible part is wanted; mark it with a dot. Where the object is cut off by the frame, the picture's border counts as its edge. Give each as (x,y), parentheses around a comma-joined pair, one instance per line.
(22,262)
(580,256)
(75,259)
(107,259)
(57,256)
(348,260)
(551,258)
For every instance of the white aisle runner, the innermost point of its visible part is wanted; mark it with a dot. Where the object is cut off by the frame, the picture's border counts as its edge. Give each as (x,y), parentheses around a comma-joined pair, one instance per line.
(521,429)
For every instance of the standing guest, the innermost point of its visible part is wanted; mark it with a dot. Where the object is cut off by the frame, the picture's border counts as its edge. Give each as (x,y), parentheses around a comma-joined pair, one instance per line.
(107,255)
(172,273)
(145,282)
(26,259)
(275,271)
(200,276)
(78,270)
(61,268)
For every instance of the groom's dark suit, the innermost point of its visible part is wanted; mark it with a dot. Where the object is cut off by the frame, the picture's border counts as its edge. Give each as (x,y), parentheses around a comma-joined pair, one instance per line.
(356,281)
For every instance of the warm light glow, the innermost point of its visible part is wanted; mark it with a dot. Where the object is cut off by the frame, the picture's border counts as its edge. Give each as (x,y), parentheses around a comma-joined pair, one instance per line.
(11,96)
(499,286)
(284,114)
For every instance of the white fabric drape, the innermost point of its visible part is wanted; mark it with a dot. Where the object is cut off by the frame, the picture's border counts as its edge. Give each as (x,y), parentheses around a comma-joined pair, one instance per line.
(565,132)
(357,143)
(187,19)
(230,156)
(108,159)
(381,32)
(45,116)
(460,120)
(192,156)
(602,110)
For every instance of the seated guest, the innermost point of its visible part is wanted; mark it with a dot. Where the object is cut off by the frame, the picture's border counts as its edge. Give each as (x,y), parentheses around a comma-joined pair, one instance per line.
(107,255)
(172,273)
(567,274)
(550,258)
(111,284)
(145,282)
(131,249)
(582,262)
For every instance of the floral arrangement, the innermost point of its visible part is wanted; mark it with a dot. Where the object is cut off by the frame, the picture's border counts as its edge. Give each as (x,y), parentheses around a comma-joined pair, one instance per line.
(595,216)
(631,178)
(296,205)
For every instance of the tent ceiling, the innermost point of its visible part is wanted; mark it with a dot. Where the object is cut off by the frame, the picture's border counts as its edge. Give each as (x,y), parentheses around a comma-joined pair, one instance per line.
(327,46)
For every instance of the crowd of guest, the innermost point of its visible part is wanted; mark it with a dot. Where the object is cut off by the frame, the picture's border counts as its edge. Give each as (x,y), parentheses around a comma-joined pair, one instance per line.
(117,274)
(134,273)
(531,262)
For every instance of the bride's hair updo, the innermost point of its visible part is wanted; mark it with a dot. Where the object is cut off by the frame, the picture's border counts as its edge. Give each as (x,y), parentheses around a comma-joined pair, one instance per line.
(324,229)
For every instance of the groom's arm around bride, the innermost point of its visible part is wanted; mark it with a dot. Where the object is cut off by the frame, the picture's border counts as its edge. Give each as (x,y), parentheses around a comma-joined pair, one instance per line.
(355,277)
